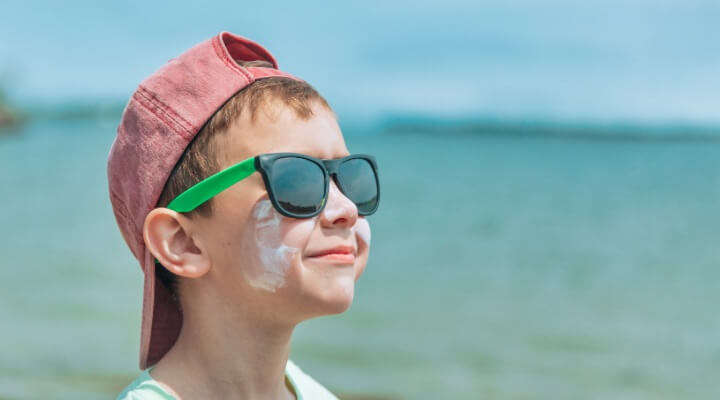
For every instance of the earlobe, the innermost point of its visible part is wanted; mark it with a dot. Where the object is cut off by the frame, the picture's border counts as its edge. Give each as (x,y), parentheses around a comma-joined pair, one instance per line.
(167,237)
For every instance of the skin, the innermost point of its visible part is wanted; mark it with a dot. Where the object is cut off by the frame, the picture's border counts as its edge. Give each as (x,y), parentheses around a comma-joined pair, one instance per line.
(249,279)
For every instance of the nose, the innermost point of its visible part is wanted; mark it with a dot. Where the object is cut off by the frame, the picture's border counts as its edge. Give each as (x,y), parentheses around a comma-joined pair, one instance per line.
(339,212)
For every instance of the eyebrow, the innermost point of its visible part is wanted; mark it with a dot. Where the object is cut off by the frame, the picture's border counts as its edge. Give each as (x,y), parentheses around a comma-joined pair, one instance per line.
(315,154)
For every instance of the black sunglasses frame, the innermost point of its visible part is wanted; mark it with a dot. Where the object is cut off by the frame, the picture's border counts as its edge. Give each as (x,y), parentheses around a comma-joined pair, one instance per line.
(264,164)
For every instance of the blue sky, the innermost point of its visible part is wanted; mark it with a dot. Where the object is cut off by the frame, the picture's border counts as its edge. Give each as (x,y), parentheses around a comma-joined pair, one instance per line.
(602,61)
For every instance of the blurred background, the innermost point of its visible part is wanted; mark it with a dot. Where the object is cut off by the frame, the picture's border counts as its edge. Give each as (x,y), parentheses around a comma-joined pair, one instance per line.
(551,177)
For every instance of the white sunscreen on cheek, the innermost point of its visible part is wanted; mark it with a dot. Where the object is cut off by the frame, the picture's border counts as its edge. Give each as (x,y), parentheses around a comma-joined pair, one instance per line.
(273,257)
(362,230)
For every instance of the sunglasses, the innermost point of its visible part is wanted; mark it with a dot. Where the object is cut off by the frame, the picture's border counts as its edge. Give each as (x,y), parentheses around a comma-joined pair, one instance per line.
(297,184)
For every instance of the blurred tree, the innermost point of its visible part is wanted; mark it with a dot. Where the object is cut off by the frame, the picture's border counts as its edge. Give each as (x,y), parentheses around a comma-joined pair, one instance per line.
(8,116)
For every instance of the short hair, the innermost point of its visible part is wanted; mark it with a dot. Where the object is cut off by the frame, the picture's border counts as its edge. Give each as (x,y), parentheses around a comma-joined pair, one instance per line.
(201,157)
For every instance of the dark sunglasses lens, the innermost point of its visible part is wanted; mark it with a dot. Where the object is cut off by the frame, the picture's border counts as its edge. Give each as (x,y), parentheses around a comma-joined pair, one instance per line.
(298,185)
(358,182)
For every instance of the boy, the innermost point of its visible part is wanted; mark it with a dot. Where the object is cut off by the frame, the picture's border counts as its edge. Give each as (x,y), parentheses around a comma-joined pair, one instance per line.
(234,259)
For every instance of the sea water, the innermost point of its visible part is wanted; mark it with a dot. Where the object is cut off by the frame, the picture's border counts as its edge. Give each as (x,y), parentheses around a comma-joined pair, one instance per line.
(500,268)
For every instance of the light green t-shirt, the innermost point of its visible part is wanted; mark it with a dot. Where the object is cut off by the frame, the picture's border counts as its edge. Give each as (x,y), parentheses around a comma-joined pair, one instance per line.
(304,386)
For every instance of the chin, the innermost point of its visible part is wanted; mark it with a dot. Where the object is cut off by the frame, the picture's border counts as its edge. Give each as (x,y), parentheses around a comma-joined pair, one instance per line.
(338,298)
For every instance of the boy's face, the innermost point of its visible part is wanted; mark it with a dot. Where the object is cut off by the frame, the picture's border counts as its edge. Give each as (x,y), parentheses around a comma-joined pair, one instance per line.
(260,260)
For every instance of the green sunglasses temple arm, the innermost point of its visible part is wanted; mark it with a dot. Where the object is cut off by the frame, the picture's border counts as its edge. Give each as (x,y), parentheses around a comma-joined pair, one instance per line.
(212,185)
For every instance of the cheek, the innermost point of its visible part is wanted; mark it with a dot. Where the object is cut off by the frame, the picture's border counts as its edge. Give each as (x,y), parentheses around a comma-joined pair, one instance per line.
(271,244)
(362,231)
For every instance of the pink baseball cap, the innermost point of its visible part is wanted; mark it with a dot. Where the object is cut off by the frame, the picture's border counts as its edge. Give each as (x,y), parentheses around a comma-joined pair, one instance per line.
(161,119)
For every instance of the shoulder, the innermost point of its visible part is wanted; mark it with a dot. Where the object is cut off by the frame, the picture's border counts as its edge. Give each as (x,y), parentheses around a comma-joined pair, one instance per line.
(144,387)
(308,388)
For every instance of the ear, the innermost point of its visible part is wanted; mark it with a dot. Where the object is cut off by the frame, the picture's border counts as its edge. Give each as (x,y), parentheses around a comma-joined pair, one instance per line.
(169,237)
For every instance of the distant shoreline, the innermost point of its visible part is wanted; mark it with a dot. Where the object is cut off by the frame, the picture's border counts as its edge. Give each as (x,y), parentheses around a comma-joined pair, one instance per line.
(419,124)
(550,129)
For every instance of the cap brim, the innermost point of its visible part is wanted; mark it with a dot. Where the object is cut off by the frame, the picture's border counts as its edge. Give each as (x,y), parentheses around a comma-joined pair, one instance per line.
(161,316)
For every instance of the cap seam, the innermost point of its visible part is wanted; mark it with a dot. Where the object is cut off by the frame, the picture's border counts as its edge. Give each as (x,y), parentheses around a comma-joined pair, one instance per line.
(165,107)
(169,117)
(230,63)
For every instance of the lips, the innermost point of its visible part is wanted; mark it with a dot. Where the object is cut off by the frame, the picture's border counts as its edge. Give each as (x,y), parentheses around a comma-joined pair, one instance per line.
(340,251)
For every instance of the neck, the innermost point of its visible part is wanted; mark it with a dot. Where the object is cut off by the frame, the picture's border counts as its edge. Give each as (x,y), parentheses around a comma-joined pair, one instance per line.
(221,355)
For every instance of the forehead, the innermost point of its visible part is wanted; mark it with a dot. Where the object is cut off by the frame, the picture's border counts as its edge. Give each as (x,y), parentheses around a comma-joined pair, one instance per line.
(277,128)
